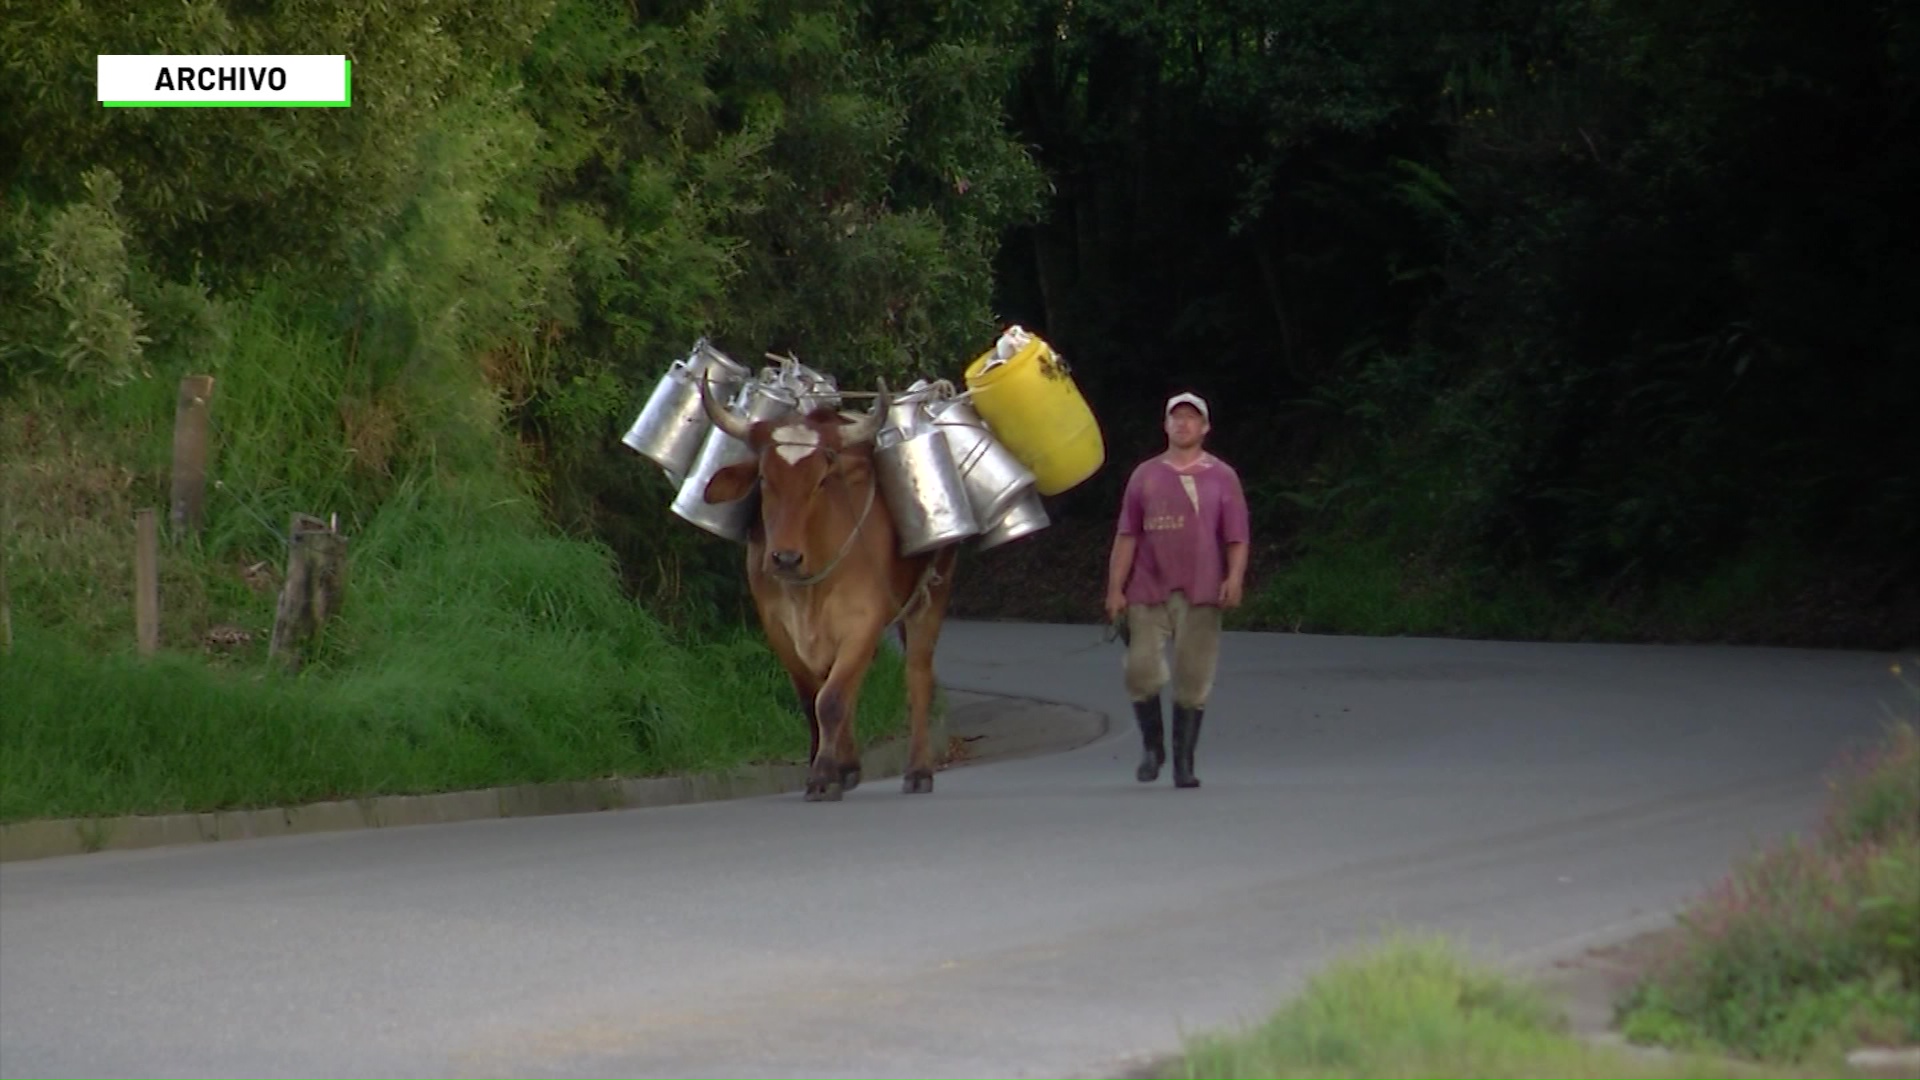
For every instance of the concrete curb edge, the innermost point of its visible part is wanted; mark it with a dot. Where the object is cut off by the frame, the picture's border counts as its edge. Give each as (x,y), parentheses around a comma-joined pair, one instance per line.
(54,837)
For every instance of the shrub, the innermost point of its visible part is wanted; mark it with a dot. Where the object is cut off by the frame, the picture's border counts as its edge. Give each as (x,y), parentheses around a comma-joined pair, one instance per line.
(1813,946)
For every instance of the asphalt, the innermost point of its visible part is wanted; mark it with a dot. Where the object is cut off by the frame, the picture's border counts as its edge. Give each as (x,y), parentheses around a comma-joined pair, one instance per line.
(1040,914)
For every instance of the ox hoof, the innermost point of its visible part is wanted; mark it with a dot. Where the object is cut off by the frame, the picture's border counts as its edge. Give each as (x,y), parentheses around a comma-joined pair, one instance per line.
(917,783)
(824,792)
(850,778)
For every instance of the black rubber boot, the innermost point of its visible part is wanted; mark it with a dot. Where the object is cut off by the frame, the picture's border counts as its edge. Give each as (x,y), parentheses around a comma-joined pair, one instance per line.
(1153,739)
(1186,735)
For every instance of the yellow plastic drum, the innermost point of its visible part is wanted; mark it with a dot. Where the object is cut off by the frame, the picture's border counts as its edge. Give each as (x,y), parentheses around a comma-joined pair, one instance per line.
(1029,400)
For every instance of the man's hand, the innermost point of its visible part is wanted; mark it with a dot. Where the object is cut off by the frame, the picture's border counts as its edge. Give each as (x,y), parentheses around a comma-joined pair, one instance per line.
(1116,604)
(1231,593)
(1233,589)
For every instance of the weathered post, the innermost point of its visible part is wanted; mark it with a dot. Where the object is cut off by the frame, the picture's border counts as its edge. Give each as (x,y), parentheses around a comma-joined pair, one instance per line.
(190,453)
(315,587)
(146,581)
(6,601)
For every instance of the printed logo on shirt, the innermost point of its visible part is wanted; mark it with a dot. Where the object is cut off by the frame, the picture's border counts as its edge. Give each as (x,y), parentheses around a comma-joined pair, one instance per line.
(1166,522)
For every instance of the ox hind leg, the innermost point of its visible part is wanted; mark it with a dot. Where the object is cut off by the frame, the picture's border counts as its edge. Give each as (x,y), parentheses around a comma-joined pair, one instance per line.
(921,633)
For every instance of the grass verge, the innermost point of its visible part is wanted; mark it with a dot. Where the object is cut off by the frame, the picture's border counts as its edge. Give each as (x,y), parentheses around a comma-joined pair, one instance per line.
(465,658)
(1811,948)
(476,646)
(1417,1007)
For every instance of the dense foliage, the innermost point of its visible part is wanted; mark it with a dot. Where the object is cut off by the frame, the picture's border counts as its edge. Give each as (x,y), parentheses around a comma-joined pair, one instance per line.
(548,202)
(432,314)
(1593,295)
(1608,293)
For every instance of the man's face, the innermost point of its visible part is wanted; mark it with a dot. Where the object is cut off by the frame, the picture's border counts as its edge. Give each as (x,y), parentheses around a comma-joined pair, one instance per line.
(1186,427)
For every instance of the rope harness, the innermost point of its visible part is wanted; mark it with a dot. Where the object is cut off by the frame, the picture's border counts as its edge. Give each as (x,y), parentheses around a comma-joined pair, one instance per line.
(931,576)
(922,593)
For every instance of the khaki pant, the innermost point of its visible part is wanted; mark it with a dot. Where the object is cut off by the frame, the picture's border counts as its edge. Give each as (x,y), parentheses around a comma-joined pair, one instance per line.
(1195,632)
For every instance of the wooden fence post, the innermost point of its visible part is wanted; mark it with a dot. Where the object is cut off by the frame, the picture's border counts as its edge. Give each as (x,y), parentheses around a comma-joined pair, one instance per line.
(6,601)
(190,453)
(316,585)
(146,581)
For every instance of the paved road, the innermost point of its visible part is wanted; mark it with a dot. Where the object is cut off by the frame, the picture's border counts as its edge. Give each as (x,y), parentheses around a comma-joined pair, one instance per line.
(1037,917)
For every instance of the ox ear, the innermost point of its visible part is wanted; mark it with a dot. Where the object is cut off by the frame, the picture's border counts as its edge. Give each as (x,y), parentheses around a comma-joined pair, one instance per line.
(733,482)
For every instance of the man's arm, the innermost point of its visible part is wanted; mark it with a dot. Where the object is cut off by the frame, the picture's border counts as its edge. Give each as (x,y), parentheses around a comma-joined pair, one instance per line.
(1234,587)
(1126,540)
(1119,568)
(1236,532)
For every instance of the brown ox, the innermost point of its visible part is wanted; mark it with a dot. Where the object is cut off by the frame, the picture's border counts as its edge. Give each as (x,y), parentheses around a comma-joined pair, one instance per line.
(824,567)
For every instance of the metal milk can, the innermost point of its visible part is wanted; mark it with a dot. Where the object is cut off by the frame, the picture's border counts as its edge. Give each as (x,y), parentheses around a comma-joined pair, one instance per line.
(994,478)
(923,489)
(1024,516)
(907,413)
(815,391)
(759,400)
(672,427)
(811,389)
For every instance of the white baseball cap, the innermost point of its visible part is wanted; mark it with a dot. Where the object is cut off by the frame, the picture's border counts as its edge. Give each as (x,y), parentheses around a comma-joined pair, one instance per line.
(1194,400)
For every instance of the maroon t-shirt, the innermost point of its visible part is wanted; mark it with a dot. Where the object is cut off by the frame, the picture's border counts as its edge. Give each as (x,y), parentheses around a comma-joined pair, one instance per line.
(1184,519)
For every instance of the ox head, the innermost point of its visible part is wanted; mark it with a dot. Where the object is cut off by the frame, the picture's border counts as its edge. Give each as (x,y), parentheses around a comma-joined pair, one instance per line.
(814,471)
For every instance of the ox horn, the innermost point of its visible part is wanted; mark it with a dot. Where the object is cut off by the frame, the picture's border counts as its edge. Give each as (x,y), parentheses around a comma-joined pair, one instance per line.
(864,429)
(736,426)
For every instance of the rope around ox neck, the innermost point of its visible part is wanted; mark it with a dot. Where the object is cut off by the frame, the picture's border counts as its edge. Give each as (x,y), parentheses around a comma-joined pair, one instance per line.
(922,589)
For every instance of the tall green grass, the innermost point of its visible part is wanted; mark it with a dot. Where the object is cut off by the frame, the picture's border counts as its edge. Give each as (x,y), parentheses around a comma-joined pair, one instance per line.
(476,646)
(443,707)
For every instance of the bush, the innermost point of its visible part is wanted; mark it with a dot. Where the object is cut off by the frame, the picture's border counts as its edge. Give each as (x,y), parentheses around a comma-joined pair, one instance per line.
(1810,948)
(1416,1008)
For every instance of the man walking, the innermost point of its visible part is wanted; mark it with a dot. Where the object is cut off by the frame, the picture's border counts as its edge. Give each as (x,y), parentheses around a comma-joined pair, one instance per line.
(1179,559)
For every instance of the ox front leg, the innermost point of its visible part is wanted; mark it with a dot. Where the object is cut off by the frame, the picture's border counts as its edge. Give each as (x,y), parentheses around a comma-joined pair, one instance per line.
(832,770)
(836,767)
(808,691)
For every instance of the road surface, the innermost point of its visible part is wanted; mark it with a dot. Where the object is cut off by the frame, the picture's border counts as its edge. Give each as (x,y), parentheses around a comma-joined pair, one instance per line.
(1045,916)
